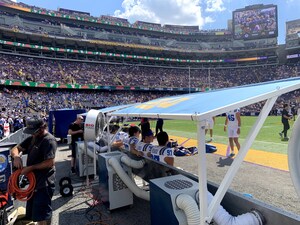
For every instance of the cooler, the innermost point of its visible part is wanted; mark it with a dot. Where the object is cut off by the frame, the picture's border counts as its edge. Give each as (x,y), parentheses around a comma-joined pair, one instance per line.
(5,170)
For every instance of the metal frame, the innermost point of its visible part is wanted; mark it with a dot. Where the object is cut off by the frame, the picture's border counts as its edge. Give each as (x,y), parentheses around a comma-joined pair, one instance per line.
(207,212)
(107,119)
(202,172)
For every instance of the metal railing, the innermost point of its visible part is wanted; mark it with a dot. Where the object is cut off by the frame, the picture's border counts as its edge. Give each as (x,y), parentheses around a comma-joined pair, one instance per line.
(16,137)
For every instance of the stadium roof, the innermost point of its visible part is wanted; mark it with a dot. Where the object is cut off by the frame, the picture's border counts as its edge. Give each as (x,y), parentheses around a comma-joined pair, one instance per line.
(199,106)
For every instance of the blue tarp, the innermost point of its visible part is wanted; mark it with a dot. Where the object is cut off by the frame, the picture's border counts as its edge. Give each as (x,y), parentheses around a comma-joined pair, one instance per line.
(63,118)
(198,106)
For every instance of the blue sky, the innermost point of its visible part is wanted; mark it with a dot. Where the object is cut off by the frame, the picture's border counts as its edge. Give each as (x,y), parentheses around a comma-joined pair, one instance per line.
(207,14)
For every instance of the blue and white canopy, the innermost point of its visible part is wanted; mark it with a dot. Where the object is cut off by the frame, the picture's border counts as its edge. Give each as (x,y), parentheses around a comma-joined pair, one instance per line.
(111,109)
(115,108)
(199,106)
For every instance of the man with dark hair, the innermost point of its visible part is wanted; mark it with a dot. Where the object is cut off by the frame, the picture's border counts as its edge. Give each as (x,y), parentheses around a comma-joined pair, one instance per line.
(76,132)
(41,148)
(131,142)
(117,143)
(162,153)
(146,146)
(285,117)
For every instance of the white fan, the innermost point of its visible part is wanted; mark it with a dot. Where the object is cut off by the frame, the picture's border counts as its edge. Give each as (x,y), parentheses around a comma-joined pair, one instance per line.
(94,125)
(294,156)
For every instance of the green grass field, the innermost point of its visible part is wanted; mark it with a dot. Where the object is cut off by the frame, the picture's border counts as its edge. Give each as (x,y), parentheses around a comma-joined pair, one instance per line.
(268,138)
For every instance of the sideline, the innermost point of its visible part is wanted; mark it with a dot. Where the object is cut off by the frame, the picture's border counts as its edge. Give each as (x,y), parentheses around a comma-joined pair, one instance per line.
(268,159)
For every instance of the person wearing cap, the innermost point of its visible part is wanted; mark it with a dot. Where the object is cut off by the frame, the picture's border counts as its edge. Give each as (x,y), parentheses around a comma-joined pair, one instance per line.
(146,146)
(76,132)
(41,148)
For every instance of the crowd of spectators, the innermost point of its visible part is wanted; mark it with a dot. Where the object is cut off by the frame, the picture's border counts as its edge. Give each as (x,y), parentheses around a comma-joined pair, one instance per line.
(27,102)
(68,72)
(24,102)
(19,104)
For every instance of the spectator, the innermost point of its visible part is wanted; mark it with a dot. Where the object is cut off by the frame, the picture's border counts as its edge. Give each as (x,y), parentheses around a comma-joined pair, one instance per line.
(18,123)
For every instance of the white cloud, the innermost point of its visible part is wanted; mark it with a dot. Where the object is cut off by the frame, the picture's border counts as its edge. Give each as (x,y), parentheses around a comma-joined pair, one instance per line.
(14,0)
(209,19)
(214,6)
(180,12)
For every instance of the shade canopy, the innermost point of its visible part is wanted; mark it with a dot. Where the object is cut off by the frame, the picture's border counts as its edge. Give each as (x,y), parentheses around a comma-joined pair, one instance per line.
(203,105)
(111,109)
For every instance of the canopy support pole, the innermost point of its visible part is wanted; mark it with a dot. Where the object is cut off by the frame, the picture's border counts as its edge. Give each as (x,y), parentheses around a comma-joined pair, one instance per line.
(239,158)
(108,119)
(202,173)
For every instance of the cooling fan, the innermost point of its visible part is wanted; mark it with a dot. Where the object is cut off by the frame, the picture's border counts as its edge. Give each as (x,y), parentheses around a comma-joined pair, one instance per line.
(294,156)
(94,125)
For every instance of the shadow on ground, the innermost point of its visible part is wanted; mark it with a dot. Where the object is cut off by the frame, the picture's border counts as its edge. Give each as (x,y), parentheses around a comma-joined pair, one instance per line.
(224,162)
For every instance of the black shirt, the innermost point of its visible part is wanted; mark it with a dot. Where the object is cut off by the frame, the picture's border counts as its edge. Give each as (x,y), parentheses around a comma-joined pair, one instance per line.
(40,149)
(145,126)
(159,122)
(284,113)
(76,127)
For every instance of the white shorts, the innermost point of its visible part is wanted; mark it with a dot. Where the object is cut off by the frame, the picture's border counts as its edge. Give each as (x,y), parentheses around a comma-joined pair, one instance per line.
(209,124)
(232,132)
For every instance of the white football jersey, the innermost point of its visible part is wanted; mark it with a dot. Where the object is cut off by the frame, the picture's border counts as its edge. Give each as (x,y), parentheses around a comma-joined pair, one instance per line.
(144,147)
(231,116)
(129,141)
(159,153)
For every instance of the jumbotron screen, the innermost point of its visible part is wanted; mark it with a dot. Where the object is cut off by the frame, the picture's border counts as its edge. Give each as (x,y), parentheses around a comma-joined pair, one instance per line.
(255,23)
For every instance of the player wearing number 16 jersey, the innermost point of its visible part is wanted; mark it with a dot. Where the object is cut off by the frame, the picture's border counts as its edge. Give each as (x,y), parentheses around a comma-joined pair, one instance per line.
(233,125)
(162,152)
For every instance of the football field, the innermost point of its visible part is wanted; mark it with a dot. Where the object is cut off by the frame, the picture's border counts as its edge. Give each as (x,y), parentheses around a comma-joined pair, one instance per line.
(267,140)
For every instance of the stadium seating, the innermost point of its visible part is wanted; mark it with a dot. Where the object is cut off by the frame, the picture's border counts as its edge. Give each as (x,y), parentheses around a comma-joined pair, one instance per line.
(117,34)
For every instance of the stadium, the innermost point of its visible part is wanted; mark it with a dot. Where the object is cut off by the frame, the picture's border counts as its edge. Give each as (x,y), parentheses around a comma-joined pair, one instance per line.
(65,59)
